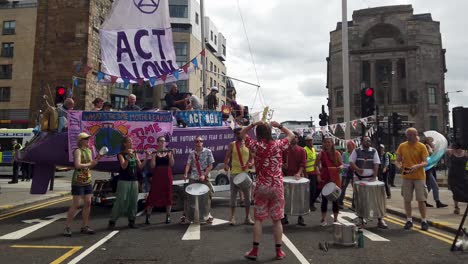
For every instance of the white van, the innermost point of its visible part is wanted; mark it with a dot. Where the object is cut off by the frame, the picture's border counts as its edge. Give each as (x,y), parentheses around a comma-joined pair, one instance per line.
(6,148)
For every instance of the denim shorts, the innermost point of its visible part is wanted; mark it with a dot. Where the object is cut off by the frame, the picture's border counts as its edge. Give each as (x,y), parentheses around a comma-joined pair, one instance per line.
(80,190)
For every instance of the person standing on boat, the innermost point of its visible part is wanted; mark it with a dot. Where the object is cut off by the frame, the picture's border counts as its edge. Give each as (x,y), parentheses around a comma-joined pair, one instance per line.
(269,189)
(211,100)
(176,101)
(126,200)
(81,188)
(98,104)
(199,164)
(161,183)
(131,106)
(241,161)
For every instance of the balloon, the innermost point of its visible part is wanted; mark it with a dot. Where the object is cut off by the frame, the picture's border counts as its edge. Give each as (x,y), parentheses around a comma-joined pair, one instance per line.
(440,147)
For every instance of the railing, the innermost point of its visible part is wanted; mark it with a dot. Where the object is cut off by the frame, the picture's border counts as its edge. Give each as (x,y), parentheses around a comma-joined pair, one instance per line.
(8,31)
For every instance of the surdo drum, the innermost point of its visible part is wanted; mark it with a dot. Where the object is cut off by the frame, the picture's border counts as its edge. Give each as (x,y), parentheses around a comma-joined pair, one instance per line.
(369,199)
(296,196)
(243,181)
(331,191)
(198,196)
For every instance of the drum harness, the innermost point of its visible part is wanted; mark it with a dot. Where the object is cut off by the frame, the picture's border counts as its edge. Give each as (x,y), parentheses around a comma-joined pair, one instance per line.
(362,161)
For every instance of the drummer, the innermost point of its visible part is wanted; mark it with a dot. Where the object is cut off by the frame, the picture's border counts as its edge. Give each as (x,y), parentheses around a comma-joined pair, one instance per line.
(241,161)
(365,163)
(294,160)
(199,164)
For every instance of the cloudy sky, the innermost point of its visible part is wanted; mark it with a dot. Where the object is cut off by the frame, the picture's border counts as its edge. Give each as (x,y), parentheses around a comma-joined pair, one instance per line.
(289,43)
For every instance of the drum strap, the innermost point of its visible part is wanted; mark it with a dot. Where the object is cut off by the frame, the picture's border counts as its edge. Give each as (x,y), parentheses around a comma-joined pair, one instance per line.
(197,163)
(240,156)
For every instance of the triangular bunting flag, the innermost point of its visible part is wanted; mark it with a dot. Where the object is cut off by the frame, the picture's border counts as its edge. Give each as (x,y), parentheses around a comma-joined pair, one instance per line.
(363,121)
(354,124)
(323,129)
(86,69)
(312,131)
(75,82)
(195,62)
(176,74)
(152,81)
(126,83)
(100,76)
(114,79)
(185,68)
(164,77)
(78,67)
(333,128)
(343,126)
(202,53)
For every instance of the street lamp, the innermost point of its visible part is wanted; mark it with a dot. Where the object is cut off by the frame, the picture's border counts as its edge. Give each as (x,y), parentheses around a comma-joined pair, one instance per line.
(448,107)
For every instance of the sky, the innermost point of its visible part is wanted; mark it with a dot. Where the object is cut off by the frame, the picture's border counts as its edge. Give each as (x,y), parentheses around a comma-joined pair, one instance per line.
(289,44)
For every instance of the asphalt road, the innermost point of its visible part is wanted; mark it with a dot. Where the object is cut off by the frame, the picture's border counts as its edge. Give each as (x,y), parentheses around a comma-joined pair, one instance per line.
(220,243)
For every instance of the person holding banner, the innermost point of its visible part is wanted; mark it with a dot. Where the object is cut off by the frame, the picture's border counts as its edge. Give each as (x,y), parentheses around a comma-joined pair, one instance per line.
(126,200)
(199,163)
(161,183)
(81,188)
(329,162)
(241,161)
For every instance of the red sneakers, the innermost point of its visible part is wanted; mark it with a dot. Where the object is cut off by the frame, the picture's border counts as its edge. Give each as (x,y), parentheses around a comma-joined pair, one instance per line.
(252,255)
(280,254)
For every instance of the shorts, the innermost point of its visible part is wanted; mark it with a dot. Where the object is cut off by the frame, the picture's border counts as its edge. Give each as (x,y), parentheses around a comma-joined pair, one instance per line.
(81,190)
(271,205)
(419,186)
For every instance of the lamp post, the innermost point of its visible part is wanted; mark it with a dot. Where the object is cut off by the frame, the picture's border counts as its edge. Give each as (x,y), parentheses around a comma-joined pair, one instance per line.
(448,108)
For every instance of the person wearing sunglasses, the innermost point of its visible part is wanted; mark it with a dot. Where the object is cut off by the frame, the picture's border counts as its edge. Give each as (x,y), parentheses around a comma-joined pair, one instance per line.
(199,164)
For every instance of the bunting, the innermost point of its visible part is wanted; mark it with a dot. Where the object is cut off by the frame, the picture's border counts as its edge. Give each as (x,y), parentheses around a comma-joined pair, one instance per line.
(333,128)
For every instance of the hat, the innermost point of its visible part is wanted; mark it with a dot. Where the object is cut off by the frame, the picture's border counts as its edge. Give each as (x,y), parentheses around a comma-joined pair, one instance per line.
(83,135)
(98,100)
(381,146)
(214,88)
(308,138)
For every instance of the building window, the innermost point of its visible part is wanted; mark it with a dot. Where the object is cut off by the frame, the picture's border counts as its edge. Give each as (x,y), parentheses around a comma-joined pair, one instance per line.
(339,98)
(211,35)
(215,68)
(211,66)
(433,123)
(223,91)
(211,82)
(178,11)
(224,50)
(197,18)
(118,101)
(181,28)
(4,94)
(216,40)
(9,27)
(182,85)
(432,95)
(181,50)
(7,49)
(119,86)
(6,71)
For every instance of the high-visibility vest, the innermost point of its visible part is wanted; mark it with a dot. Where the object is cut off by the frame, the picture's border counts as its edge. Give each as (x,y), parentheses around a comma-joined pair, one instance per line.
(14,149)
(311,156)
(391,156)
(466,166)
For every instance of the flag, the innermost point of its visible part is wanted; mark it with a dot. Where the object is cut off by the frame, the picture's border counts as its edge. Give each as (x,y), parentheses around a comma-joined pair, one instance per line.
(87,69)
(354,124)
(75,82)
(363,121)
(114,79)
(176,74)
(203,53)
(152,81)
(126,82)
(195,62)
(100,76)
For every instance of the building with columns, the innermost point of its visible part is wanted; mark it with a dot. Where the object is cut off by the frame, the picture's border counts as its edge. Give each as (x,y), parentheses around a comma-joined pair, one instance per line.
(400,55)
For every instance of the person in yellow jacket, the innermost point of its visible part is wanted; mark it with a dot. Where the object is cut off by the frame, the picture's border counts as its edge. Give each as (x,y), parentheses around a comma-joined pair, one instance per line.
(311,172)
(16,152)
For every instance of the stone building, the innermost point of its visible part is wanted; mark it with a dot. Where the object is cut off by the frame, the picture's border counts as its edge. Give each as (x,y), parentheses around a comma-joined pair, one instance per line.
(400,55)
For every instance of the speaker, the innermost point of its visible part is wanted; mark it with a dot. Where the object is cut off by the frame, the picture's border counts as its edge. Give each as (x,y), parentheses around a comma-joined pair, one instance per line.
(460,125)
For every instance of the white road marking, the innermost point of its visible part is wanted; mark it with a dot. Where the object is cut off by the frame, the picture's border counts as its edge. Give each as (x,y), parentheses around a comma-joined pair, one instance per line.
(217,221)
(92,248)
(366,233)
(40,224)
(294,250)
(140,213)
(192,233)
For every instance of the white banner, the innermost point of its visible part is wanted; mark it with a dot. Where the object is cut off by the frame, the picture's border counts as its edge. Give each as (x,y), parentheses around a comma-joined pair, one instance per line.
(136,42)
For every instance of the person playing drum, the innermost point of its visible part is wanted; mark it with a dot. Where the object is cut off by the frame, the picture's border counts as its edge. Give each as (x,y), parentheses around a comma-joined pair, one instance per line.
(199,163)
(365,162)
(269,189)
(241,161)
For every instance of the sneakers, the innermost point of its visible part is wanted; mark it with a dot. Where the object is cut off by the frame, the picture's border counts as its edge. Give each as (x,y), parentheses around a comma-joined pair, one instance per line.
(439,204)
(408,225)
(424,226)
(131,224)
(67,232)
(456,210)
(252,254)
(280,254)
(168,219)
(210,220)
(13,182)
(249,221)
(87,230)
(429,205)
(232,222)
(300,221)
(381,224)
(111,225)
(323,223)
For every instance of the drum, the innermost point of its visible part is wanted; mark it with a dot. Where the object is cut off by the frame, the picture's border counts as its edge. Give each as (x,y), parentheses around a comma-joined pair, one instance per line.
(243,181)
(198,202)
(369,199)
(331,191)
(296,196)
(344,234)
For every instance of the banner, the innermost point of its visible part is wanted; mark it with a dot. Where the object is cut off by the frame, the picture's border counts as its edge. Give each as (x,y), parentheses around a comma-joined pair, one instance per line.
(200,118)
(136,42)
(109,128)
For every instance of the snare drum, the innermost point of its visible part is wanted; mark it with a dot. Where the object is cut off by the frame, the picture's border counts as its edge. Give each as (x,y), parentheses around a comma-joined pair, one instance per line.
(369,199)
(296,196)
(198,202)
(331,191)
(243,181)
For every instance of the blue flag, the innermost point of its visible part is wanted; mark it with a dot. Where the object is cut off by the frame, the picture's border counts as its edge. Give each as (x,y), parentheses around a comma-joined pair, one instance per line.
(100,76)
(75,82)
(195,62)
(152,81)
(126,83)
(176,74)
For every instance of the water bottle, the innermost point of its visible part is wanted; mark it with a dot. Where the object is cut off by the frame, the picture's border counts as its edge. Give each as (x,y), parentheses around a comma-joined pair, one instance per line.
(360,236)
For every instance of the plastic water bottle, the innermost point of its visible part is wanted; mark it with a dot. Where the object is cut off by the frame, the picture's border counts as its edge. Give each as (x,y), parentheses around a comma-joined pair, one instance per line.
(360,239)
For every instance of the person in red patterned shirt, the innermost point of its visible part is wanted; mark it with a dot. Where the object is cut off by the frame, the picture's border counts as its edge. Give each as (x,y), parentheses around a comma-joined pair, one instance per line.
(269,190)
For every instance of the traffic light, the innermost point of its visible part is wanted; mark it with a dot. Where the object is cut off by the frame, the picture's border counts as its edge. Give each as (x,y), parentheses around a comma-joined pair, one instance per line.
(397,123)
(367,102)
(60,94)
(323,117)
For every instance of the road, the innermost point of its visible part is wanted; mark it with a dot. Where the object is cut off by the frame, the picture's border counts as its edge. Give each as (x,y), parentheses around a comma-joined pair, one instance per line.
(34,236)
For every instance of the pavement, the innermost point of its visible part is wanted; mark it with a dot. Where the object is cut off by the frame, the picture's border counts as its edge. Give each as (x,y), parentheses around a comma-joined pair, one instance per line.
(13,196)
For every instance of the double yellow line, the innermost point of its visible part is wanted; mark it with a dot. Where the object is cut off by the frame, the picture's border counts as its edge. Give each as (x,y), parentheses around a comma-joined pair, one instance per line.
(34,207)
(437,235)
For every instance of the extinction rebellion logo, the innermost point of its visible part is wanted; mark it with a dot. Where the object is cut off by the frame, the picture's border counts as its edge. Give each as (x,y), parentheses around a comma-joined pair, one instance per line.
(147,6)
